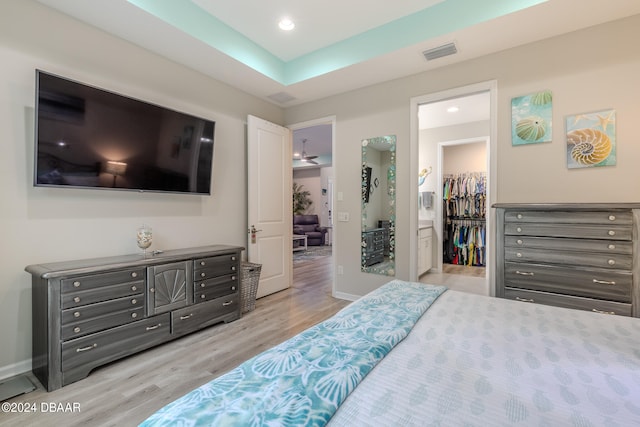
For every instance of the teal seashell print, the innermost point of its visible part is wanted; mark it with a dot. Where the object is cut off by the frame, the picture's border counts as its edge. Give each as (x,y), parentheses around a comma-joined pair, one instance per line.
(531,118)
(542,98)
(531,128)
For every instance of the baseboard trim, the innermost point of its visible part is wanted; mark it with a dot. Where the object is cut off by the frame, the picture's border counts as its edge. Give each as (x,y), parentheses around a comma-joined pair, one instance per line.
(345,296)
(15,369)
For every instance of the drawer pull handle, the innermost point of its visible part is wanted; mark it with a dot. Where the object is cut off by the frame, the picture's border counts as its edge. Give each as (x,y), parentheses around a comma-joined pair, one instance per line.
(203,274)
(595,310)
(525,299)
(134,288)
(203,263)
(76,314)
(519,216)
(234,277)
(203,296)
(188,316)
(76,284)
(202,285)
(76,329)
(91,347)
(151,328)
(233,268)
(604,282)
(612,262)
(612,217)
(612,233)
(524,273)
(519,241)
(518,254)
(233,258)
(226,303)
(612,246)
(134,315)
(76,299)
(519,230)
(134,274)
(134,301)
(152,290)
(233,288)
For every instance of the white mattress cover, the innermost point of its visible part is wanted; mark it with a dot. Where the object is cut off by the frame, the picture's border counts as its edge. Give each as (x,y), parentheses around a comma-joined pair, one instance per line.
(482,361)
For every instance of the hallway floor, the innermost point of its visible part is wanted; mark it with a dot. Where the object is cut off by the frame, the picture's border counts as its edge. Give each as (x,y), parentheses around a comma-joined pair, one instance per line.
(460,278)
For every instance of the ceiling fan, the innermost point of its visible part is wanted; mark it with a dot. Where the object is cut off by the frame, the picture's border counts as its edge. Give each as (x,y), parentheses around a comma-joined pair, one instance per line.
(304,157)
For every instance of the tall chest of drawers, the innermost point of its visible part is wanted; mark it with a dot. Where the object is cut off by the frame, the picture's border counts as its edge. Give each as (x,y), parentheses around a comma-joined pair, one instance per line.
(87,313)
(373,246)
(582,256)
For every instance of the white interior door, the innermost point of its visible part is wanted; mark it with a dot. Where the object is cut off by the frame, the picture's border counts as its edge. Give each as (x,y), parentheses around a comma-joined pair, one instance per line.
(270,203)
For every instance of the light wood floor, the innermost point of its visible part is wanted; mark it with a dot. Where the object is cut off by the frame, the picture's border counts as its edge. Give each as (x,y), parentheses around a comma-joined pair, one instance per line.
(124,393)
(464,270)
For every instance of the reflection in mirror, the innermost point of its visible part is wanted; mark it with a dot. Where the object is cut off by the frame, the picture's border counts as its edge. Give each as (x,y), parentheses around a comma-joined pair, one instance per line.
(379,205)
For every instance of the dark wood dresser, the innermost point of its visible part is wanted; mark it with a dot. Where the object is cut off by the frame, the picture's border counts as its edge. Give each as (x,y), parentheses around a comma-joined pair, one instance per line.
(582,256)
(87,313)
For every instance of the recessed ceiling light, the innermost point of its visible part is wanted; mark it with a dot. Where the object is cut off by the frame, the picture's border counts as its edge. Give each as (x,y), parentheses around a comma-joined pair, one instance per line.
(286,24)
(453,109)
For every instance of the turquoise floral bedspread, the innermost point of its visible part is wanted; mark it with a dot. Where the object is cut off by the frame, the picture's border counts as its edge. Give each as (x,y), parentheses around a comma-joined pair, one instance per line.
(302,381)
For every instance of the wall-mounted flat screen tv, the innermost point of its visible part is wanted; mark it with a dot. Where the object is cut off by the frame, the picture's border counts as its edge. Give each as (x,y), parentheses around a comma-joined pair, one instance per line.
(92,138)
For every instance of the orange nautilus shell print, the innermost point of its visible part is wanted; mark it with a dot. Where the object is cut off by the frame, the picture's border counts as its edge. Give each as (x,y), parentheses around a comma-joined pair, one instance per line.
(590,146)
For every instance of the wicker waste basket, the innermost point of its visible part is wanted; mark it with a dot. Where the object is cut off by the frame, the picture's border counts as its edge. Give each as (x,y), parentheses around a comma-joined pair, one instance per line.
(250,277)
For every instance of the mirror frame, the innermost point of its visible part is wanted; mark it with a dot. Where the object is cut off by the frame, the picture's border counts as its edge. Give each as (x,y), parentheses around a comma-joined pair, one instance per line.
(387,267)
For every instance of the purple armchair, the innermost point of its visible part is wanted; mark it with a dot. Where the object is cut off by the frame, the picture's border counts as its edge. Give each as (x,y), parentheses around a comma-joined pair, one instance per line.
(309,225)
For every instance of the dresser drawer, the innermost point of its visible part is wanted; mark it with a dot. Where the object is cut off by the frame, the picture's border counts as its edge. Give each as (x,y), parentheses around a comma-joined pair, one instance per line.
(86,312)
(588,304)
(555,256)
(215,271)
(590,283)
(104,293)
(222,263)
(216,287)
(81,283)
(613,232)
(608,217)
(199,316)
(202,295)
(95,324)
(102,347)
(585,245)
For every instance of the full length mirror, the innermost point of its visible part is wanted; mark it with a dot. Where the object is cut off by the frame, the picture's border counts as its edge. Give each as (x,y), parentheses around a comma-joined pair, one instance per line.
(379,205)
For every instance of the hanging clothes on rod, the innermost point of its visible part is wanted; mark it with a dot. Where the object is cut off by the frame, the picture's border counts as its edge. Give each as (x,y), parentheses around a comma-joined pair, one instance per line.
(464,211)
(465,243)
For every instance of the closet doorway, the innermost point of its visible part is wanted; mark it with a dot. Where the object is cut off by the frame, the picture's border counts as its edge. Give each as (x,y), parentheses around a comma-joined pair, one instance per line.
(453,142)
(461,209)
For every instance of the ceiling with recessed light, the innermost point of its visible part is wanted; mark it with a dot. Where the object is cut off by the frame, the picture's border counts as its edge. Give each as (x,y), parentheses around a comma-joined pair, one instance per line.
(336,46)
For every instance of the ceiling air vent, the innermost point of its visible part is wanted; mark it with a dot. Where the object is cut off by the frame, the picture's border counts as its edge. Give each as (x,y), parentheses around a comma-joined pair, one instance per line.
(440,51)
(281,97)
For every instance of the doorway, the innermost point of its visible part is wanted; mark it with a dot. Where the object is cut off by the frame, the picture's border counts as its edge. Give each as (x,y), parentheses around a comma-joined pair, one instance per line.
(461,212)
(312,172)
(452,143)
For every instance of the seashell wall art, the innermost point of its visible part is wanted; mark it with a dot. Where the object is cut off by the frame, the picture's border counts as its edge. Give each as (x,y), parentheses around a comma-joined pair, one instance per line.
(531,118)
(591,139)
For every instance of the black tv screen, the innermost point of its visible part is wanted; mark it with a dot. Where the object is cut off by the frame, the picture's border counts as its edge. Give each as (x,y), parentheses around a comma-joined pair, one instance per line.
(92,138)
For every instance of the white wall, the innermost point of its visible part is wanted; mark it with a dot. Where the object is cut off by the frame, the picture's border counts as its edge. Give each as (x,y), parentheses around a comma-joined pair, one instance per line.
(310,179)
(314,181)
(44,224)
(588,70)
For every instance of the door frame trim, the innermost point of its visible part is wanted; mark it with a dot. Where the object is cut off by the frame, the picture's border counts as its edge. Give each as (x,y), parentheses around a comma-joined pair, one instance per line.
(492,87)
